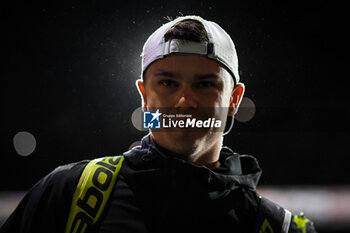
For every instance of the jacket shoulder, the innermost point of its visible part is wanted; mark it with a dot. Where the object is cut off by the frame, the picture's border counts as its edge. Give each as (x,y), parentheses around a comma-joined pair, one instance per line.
(48,199)
(274,218)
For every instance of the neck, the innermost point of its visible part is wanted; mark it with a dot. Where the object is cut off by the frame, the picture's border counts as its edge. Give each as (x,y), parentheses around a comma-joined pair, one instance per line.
(208,158)
(205,155)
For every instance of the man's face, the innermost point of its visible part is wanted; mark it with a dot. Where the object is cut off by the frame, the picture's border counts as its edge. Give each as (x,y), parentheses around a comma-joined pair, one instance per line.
(189,84)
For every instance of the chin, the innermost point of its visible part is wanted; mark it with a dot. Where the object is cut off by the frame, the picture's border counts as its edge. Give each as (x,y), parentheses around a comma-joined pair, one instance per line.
(187,136)
(183,141)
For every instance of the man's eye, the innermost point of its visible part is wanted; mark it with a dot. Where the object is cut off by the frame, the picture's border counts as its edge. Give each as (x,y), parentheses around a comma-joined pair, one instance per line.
(168,82)
(205,84)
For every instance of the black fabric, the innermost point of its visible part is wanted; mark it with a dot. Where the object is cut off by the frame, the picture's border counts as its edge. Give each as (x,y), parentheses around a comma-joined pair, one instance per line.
(156,191)
(173,195)
(271,212)
(46,206)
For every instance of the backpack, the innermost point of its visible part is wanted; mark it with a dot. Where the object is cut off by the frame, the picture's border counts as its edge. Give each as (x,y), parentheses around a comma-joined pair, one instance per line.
(97,182)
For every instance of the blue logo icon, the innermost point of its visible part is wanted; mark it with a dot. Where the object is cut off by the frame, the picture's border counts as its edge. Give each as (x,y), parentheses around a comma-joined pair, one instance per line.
(151,119)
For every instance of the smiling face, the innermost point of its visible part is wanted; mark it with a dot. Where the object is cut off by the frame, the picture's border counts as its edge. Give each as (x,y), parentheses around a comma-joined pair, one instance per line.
(196,85)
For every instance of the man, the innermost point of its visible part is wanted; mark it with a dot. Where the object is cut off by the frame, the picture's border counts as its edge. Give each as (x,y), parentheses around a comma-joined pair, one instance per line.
(179,179)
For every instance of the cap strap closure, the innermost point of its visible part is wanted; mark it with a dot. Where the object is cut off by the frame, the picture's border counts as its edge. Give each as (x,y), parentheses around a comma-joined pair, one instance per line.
(185,46)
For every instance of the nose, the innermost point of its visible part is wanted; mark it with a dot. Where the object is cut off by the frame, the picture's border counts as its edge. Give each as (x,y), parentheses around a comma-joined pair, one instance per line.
(186,99)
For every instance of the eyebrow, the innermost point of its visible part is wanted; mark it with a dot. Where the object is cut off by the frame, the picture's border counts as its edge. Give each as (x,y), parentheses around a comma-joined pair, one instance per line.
(206,76)
(164,73)
(197,76)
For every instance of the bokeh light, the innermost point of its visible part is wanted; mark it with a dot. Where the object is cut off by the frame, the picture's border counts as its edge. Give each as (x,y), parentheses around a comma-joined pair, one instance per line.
(24,143)
(136,119)
(246,110)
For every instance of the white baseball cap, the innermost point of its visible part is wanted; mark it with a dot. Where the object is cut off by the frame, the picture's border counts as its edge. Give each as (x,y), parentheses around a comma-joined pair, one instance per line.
(220,46)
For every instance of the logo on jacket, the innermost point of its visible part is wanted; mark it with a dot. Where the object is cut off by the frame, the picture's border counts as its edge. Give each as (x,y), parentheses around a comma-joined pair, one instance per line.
(151,119)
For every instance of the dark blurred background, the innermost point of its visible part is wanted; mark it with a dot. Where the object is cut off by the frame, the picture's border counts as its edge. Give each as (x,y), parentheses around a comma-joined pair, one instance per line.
(71,66)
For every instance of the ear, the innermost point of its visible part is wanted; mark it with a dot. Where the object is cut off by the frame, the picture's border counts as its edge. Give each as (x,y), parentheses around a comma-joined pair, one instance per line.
(236,98)
(140,85)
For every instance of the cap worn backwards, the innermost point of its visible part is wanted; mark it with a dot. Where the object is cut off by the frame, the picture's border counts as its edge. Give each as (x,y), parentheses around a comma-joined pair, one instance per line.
(220,46)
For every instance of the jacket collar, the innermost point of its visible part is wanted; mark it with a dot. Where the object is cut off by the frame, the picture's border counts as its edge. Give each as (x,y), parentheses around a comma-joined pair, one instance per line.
(235,170)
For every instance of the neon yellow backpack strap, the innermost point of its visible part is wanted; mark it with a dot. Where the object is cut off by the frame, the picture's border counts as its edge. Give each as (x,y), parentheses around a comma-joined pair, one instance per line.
(92,193)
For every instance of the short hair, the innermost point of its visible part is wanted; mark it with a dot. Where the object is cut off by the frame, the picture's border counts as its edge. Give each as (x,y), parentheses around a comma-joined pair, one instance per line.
(191,30)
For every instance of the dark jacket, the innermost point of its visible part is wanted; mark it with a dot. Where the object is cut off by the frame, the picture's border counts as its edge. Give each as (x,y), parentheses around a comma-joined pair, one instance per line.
(156,191)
